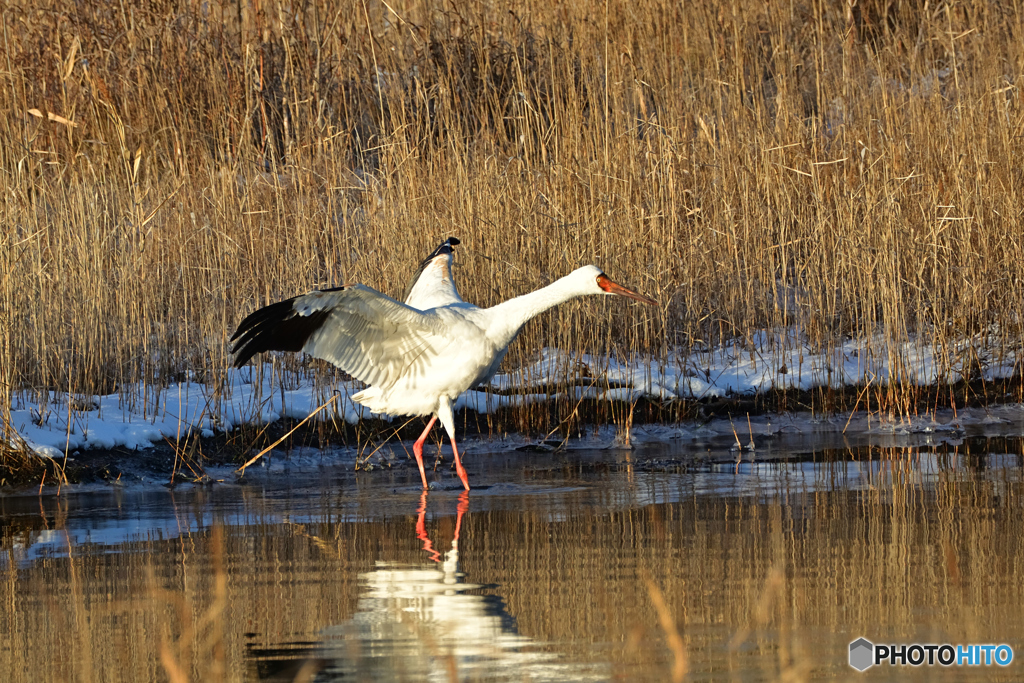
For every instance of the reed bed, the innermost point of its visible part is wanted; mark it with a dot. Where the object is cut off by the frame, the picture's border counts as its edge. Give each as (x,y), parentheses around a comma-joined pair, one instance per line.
(838,170)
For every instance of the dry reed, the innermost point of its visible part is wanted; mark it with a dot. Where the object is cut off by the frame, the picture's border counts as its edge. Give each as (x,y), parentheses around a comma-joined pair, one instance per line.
(842,170)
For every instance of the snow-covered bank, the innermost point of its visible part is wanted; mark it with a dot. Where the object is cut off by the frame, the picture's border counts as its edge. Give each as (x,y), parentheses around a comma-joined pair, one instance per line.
(249,396)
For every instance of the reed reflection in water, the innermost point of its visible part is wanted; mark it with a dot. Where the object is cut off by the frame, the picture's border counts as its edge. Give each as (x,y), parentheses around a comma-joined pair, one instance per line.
(575,572)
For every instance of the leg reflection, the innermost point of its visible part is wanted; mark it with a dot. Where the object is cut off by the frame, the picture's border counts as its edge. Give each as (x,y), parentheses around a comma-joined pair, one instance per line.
(421,527)
(459,511)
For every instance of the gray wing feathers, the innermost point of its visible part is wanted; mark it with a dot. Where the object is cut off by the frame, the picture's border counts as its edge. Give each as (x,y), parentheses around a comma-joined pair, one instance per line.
(371,336)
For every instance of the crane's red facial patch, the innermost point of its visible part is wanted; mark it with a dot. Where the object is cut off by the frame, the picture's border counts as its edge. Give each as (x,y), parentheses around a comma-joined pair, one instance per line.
(605,283)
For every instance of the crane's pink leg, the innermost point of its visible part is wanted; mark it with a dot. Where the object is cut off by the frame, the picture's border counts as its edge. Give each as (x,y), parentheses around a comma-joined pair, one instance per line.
(458,465)
(417,450)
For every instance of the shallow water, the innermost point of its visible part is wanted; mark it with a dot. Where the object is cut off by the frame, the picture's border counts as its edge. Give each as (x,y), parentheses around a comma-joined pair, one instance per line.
(649,564)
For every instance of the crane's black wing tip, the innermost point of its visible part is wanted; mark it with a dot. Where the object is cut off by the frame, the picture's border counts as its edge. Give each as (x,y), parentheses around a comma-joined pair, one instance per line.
(277,327)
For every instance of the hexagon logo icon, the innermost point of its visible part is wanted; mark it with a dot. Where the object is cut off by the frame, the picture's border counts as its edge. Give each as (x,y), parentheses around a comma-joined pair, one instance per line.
(861,654)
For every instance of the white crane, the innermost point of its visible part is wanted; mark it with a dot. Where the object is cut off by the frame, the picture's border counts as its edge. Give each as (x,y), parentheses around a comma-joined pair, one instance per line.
(417,357)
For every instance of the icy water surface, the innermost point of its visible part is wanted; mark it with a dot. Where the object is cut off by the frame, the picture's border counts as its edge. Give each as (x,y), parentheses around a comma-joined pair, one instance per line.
(657,564)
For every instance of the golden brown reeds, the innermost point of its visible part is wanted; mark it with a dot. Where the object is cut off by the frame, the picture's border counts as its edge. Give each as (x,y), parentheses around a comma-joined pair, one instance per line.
(841,170)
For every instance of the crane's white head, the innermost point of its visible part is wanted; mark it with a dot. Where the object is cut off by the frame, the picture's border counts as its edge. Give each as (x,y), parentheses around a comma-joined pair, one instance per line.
(593,281)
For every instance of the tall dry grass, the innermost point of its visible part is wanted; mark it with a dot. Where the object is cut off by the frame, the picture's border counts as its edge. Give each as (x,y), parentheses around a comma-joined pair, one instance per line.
(842,170)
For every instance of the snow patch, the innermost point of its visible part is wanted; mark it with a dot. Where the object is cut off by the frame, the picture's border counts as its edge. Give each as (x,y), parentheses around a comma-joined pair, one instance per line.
(260,394)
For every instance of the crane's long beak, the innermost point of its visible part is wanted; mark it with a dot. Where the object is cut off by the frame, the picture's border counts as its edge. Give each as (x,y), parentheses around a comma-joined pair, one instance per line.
(605,283)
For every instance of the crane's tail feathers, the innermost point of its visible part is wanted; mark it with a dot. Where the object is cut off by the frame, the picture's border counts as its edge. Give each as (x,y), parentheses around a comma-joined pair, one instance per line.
(370,397)
(277,327)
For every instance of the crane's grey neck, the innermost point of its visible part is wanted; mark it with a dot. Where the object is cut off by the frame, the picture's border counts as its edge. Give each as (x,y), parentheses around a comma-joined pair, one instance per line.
(509,317)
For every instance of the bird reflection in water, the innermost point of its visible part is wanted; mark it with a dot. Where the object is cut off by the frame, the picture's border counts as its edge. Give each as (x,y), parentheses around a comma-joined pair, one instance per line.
(420,622)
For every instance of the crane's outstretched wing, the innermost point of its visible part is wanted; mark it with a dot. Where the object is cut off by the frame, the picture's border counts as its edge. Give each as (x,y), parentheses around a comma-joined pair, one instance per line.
(433,285)
(365,333)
